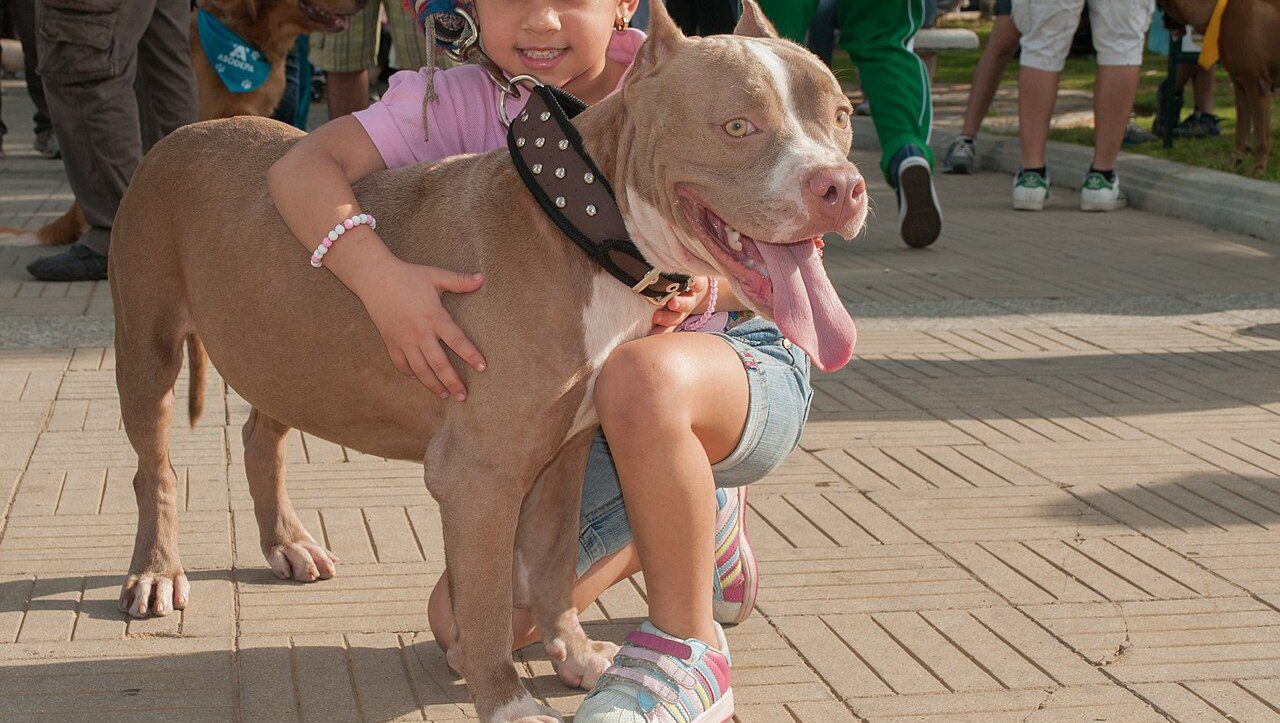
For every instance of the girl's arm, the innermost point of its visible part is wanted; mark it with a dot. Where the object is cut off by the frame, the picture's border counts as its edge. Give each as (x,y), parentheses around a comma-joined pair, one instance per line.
(311,187)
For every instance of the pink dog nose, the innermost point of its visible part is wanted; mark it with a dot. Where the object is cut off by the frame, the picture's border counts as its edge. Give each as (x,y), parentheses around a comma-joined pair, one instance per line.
(837,190)
(837,185)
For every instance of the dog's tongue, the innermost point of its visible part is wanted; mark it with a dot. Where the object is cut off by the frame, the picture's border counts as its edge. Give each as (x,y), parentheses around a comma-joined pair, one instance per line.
(805,305)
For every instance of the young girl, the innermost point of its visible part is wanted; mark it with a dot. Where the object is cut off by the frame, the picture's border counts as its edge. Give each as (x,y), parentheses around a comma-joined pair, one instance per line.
(690,418)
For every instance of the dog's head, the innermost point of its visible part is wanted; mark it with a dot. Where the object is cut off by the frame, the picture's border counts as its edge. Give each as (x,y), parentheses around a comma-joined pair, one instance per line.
(738,165)
(305,16)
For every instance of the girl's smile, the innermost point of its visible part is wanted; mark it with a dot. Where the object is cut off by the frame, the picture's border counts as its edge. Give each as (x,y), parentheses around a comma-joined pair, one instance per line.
(561,42)
(541,58)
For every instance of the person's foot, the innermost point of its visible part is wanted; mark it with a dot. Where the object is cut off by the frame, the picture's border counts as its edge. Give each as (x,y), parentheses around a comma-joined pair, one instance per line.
(1030,189)
(919,215)
(47,145)
(1133,135)
(1198,125)
(737,579)
(1100,193)
(77,263)
(961,156)
(658,677)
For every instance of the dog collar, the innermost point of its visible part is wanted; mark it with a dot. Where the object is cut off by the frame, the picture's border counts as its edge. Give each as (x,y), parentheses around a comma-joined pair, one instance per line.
(240,66)
(548,152)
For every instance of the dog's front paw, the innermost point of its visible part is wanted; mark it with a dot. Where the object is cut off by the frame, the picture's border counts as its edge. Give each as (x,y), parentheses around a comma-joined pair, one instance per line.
(303,560)
(583,667)
(154,593)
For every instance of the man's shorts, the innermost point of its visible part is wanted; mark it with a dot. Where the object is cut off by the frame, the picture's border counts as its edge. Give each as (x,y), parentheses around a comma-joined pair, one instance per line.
(1003,7)
(1047,26)
(356,48)
(780,396)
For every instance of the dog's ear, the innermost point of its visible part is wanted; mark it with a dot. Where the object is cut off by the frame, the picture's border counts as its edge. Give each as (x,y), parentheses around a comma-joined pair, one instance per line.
(251,9)
(753,23)
(664,38)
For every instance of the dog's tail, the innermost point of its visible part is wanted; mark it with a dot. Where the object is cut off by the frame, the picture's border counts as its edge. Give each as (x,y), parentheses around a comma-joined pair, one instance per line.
(198,360)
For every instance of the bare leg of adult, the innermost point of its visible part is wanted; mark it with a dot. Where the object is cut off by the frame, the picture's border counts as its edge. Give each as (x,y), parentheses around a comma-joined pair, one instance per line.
(1001,47)
(1202,86)
(1112,102)
(1037,91)
(348,92)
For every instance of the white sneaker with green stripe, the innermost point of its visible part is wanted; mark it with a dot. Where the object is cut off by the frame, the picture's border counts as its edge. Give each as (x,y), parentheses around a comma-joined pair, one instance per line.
(1030,189)
(1099,194)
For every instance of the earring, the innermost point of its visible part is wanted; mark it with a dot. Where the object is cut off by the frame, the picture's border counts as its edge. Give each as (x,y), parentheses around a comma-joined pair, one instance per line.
(621,23)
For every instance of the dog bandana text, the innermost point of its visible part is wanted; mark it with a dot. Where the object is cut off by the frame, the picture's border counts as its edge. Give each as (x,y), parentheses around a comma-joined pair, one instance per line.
(239,65)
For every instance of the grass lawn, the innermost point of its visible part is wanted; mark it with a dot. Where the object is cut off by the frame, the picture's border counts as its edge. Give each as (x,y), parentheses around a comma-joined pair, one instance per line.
(1216,153)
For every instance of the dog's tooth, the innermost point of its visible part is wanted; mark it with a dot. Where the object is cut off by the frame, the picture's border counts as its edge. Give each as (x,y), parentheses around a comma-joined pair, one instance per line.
(734,237)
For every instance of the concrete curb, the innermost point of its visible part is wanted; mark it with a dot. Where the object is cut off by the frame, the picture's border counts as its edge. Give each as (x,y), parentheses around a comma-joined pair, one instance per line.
(1220,201)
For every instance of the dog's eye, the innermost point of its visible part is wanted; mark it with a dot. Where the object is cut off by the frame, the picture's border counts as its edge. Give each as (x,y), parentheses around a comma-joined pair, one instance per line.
(739,127)
(842,118)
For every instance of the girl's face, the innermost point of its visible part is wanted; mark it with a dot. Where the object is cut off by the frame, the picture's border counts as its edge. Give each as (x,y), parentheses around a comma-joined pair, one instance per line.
(556,41)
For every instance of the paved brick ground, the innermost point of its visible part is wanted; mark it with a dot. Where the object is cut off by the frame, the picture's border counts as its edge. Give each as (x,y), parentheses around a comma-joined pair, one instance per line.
(1046,489)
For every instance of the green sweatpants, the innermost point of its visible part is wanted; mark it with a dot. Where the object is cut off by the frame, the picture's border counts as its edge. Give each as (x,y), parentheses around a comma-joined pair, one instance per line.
(877,34)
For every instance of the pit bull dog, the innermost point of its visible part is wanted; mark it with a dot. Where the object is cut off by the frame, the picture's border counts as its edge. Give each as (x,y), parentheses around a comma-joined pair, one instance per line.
(728,157)
(1249,45)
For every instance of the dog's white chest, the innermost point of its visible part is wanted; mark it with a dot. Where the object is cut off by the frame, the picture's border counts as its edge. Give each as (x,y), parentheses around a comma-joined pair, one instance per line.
(614,314)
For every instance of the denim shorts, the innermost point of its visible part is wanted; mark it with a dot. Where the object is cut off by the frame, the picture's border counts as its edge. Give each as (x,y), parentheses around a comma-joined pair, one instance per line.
(780,395)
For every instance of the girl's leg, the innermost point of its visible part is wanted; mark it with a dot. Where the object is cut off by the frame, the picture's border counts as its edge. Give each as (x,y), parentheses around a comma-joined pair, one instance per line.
(601,576)
(671,405)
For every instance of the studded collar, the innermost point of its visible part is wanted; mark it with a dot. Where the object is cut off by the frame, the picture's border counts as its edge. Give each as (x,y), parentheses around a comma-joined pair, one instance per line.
(548,153)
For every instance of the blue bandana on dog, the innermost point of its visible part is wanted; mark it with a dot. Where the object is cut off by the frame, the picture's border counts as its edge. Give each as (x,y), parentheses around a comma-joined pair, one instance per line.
(241,66)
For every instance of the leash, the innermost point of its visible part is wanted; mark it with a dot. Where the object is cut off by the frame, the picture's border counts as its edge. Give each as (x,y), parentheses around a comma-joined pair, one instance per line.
(551,160)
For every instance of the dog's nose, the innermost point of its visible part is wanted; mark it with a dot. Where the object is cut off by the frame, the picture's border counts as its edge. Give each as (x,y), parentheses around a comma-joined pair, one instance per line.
(837,189)
(837,185)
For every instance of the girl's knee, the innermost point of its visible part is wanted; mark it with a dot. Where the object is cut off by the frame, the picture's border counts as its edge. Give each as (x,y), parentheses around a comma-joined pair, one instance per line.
(641,384)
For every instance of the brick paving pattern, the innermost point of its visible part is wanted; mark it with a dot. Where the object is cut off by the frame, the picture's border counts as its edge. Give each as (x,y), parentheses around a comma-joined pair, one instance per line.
(1046,489)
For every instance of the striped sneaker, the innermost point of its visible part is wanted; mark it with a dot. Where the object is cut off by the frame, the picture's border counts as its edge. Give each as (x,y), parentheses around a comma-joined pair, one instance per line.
(736,583)
(657,678)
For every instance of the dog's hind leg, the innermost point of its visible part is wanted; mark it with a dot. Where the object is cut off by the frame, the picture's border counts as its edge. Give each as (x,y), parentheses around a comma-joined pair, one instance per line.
(546,546)
(290,550)
(148,359)
(1261,127)
(480,492)
(1244,121)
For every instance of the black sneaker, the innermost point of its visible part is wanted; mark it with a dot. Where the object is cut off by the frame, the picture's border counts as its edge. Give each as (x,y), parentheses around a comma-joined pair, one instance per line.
(1133,135)
(47,145)
(1198,125)
(77,263)
(919,214)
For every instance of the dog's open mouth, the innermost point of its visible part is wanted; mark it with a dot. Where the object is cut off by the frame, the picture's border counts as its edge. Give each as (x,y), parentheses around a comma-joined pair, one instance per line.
(785,281)
(323,18)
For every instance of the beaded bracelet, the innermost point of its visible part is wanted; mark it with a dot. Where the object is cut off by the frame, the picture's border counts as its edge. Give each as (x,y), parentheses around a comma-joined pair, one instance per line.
(701,321)
(317,256)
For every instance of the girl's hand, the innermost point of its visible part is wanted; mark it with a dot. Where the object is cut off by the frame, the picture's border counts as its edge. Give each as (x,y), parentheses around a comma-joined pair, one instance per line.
(405,306)
(681,306)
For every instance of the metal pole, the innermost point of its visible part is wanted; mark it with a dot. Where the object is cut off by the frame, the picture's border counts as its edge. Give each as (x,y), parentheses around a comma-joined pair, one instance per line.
(1170,109)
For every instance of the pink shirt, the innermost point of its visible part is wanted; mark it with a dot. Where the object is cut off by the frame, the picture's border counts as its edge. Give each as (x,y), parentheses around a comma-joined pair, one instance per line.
(464,119)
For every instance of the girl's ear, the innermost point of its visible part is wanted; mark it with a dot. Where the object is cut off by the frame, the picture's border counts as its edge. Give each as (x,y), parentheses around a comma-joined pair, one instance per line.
(628,8)
(753,23)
